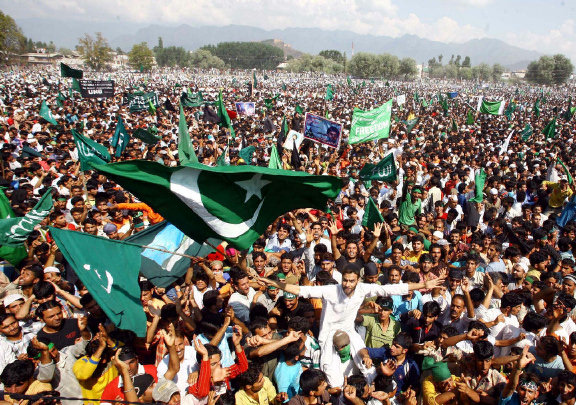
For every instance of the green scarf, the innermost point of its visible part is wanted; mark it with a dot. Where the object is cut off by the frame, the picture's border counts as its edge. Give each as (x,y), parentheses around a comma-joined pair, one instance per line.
(344,354)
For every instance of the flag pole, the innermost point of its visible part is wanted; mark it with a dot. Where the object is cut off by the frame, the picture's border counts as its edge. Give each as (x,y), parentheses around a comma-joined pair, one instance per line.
(196,259)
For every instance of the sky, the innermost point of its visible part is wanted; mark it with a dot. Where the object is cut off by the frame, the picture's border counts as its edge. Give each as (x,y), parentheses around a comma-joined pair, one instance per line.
(547,26)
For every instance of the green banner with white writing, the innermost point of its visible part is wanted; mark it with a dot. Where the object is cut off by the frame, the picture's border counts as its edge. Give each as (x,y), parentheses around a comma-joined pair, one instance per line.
(371,125)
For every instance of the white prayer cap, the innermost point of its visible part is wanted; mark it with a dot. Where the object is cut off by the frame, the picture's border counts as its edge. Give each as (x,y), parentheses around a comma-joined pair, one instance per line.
(51,269)
(12,298)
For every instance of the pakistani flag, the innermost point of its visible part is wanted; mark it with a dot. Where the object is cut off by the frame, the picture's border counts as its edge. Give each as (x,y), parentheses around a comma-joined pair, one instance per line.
(120,139)
(526,132)
(13,255)
(163,268)
(231,203)
(370,125)
(410,124)
(60,99)
(46,114)
(329,93)
(490,107)
(151,108)
(186,152)
(479,181)
(14,231)
(90,152)
(112,283)
(550,129)
(145,136)
(67,71)
(275,161)
(385,170)
(372,214)
(223,114)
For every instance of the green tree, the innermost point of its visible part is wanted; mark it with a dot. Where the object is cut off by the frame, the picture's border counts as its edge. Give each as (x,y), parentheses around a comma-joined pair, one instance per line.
(408,68)
(141,57)
(563,68)
(172,56)
(497,70)
(247,55)
(465,73)
(450,71)
(483,71)
(365,65)
(203,59)
(467,62)
(11,38)
(95,51)
(541,71)
(317,63)
(458,61)
(389,65)
(333,54)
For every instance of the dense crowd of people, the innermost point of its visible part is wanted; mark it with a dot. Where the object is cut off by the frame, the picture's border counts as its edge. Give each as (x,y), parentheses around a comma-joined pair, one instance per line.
(465,293)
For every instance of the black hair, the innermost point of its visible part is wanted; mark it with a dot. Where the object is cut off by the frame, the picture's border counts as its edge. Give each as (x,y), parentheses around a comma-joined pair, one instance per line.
(299,324)
(43,289)
(511,300)
(210,298)
(431,308)
(258,323)
(45,306)
(384,383)
(351,268)
(292,350)
(450,330)
(483,350)
(534,322)
(311,379)
(258,311)
(403,339)
(477,295)
(479,325)
(127,353)
(250,376)
(145,285)
(211,349)
(17,372)
(359,382)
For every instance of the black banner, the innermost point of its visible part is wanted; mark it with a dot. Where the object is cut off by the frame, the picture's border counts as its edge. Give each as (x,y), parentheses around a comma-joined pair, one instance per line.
(96,88)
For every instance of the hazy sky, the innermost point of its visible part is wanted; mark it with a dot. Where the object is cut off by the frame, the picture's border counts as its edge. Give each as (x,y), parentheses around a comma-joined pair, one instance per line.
(547,26)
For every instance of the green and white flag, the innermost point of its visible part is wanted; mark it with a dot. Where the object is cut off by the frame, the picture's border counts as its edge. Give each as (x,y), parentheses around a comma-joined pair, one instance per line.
(247,154)
(189,99)
(112,282)
(275,162)
(186,152)
(145,136)
(13,255)
(141,101)
(14,231)
(47,114)
(163,268)
(372,214)
(231,203)
(385,170)
(370,125)
(470,118)
(120,139)
(67,71)
(526,132)
(90,152)
(550,129)
(490,107)
(479,181)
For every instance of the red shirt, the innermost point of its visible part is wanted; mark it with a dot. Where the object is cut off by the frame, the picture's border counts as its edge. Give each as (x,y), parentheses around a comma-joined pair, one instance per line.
(114,392)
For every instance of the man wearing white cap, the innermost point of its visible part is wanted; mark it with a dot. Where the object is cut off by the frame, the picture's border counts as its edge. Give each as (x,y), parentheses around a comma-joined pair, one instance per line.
(13,302)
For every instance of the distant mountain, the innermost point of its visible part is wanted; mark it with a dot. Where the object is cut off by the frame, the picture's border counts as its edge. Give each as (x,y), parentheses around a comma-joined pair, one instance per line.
(310,40)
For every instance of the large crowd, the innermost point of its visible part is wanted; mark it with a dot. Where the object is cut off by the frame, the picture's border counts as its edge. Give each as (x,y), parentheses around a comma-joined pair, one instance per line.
(462,295)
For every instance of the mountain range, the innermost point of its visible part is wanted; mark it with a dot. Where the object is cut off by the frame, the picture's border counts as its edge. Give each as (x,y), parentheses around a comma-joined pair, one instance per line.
(310,40)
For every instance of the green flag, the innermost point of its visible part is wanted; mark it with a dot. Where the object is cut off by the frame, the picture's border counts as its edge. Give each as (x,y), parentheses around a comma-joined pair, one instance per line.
(349,81)
(247,153)
(329,93)
(60,99)
(221,161)
(568,113)
(189,99)
(254,81)
(526,132)
(139,101)
(479,181)
(145,136)
(566,171)
(151,108)
(410,124)
(510,110)
(537,108)
(550,129)
(370,125)
(163,268)
(14,231)
(416,98)
(275,162)
(120,139)
(46,114)
(490,107)
(76,85)
(470,118)
(298,109)
(223,115)
(443,103)
(13,255)
(90,152)
(269,103)
(231,203)
(112,283)
(186,152)
(454,127)
(385,170)
(67,71)
(284,87)
(372,214)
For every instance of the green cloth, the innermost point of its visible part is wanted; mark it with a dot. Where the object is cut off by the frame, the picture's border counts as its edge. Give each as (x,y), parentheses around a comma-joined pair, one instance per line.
(371,125)
(47,114)
(344,354)
(275,161)
(372,215)
(510,110)
(120,139)
(527,132)
(112,283)
(76,85)
(491,107)
(550,129)
(375,336)
(247,153)
(566,171)
(254,80)
(298,109)
(145,136)
(67,71)
(188,99)
(329,93)
(141,101)
(537,108)
(11,254)
(385,170)
(479,181)
(90,152)
(470,118)
(15,230)
(223,114)
(151,108)
(232,203)
(186,153)
(408,210)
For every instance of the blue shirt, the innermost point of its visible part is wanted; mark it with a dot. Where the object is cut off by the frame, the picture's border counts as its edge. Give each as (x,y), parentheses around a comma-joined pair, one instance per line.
(288,378)
(403,306)
(406,375)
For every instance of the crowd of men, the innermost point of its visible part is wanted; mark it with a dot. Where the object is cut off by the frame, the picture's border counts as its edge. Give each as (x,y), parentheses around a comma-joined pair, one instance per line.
(462,295)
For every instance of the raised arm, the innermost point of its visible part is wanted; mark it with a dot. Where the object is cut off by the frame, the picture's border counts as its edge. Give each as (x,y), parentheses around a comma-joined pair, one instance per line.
(291,288)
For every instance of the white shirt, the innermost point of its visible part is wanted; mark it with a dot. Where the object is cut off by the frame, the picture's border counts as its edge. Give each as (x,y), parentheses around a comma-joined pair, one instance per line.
(187,366)
(241,304)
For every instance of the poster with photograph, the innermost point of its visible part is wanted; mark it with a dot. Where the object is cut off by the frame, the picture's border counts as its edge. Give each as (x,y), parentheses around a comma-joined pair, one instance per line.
(289,142)
(246,108)
(322,130)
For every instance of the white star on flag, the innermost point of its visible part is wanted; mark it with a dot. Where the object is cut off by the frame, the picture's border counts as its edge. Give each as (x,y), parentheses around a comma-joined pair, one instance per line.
(253,186)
